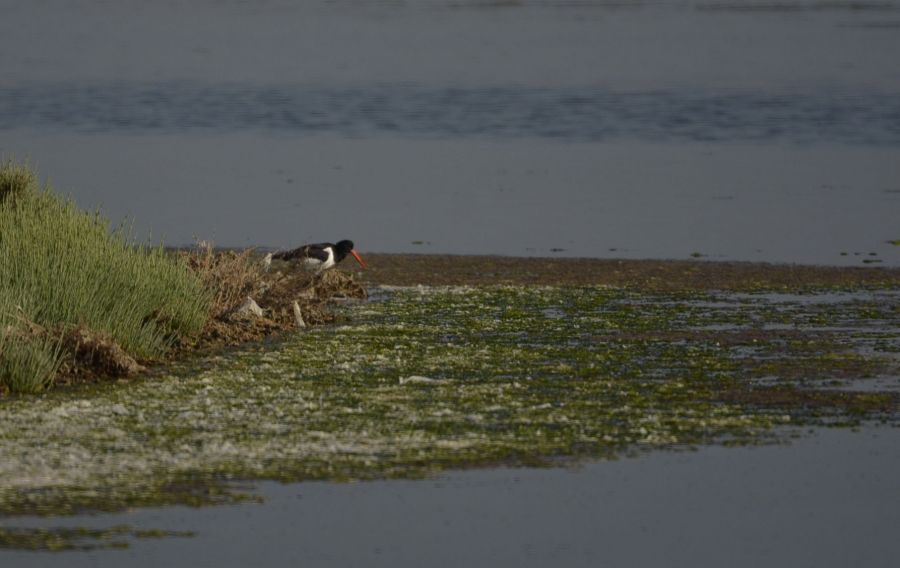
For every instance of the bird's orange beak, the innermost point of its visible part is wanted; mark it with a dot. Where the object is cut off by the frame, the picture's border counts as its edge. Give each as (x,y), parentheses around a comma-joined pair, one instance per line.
(356,256)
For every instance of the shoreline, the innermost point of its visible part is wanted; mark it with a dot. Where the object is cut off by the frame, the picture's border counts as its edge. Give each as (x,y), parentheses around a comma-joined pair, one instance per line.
(439,378)
(645,276)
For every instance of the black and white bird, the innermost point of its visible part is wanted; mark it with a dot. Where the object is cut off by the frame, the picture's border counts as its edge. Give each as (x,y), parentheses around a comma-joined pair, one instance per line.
(318,257)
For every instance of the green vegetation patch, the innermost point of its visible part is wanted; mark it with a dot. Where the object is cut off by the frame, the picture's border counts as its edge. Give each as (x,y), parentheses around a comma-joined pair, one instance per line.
(61,269)
(422,379)
(58,539)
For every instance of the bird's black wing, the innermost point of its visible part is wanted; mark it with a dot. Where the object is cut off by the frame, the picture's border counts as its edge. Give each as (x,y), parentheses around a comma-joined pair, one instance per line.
(316,251)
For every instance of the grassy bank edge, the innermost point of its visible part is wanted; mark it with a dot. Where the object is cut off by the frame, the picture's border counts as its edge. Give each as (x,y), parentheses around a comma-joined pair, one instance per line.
(71,287)
(80,302)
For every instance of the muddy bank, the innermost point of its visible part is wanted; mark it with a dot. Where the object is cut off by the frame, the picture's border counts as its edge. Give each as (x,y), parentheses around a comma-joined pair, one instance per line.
(651,275)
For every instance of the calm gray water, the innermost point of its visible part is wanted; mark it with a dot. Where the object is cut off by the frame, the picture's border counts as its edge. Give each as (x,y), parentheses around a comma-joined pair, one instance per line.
(831,499)
(735,130)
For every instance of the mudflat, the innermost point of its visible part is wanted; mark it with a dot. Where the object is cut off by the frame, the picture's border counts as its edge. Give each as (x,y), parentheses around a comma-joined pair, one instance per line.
(651,275)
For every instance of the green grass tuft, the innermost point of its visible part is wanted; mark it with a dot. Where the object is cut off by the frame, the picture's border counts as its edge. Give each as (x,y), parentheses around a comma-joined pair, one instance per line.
(61,267)
(27,365)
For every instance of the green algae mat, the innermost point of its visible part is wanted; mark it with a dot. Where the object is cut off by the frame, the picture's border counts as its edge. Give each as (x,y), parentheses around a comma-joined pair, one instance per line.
(420,379)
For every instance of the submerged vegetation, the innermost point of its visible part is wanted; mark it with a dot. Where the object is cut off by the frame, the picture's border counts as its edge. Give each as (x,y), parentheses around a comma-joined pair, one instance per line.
(61,269)
(78,538)
(418,379)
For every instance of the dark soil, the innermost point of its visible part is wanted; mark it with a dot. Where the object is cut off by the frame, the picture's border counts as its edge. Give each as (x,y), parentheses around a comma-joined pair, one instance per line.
(649,275)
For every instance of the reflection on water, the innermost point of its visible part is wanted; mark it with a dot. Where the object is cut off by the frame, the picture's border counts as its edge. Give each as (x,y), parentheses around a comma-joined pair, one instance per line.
(568,114)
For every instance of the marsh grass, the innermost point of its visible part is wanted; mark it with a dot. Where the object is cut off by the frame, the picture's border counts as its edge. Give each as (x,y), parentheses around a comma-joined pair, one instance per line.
(27,365)
(61,268)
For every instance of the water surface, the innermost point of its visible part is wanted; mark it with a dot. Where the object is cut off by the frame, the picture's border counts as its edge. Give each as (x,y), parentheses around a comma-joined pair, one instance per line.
(828,499)
(751,131)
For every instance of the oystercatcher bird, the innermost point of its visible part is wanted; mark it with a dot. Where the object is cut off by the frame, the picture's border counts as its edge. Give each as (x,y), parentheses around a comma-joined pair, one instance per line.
(320,256)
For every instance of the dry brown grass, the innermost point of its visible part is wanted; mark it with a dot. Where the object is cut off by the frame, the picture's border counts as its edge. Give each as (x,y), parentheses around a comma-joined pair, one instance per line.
(233,276)
(95,353)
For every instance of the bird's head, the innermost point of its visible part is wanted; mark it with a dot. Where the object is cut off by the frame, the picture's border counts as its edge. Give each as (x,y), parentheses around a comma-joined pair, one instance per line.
(345,247)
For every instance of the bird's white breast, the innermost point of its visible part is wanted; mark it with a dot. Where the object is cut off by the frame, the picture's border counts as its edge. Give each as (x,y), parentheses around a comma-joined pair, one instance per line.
(316,264)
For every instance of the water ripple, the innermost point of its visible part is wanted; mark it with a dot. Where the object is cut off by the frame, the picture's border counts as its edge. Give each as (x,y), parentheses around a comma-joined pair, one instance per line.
(567,114)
